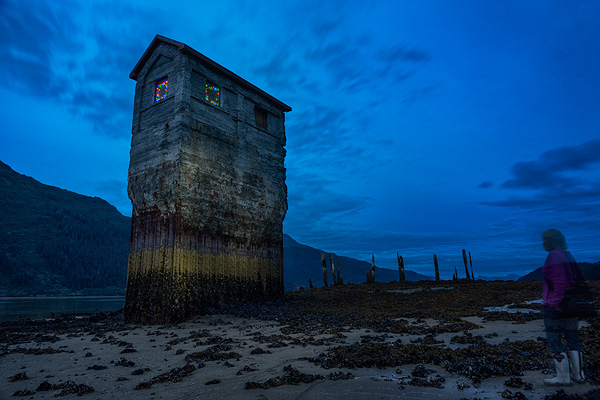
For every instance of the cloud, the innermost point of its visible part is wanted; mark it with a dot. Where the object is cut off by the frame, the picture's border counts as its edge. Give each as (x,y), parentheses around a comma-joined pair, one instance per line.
(548,171)
(562,181)
(404,54)
(54,54)
(30,34)
(314,200)
(485,185)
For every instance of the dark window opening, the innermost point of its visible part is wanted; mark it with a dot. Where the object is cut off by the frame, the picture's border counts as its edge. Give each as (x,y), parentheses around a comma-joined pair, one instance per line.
(260,117)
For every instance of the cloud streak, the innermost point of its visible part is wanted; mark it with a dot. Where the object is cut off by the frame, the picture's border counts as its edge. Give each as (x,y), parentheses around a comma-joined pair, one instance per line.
(50,54)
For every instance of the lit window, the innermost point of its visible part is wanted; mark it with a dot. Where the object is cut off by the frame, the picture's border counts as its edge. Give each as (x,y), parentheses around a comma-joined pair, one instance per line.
(260,117)
(213,94)
(160,90)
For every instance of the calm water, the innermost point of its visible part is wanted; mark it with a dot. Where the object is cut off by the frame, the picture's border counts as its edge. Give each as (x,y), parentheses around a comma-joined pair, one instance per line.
(13,308)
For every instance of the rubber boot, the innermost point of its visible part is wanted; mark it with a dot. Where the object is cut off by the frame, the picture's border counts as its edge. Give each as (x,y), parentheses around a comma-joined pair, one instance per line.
(562,378)
(576,365)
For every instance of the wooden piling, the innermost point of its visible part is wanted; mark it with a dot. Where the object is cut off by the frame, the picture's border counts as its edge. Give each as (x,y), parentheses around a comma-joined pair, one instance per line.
(464,252)
(324,266)
(339,279)
(402,276)
(310,285)
(437,270)
(471,262)
(373,268)
(333,278)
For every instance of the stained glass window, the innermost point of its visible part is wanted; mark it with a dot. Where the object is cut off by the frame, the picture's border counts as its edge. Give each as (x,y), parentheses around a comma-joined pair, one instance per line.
(213,94)
(160,90)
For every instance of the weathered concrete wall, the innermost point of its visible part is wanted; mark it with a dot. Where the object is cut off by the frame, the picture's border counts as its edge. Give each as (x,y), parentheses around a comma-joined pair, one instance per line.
(208,192)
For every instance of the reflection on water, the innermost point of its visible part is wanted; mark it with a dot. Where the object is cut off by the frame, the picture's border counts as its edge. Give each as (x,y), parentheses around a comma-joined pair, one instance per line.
(13,308)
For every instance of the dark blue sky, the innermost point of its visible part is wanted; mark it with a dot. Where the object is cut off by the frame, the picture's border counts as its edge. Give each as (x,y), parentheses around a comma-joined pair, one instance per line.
(418,127)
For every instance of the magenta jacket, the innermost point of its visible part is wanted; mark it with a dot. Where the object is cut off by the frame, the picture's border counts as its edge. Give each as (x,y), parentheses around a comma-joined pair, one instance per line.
(558,276)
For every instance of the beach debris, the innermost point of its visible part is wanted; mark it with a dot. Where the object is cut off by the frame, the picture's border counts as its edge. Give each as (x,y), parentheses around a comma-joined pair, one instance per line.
(123,362)
(96,367)
(515,317)
(246,369)
(507,394)
(24,392)
(467,338)
(516,382)
(175,375)
(476,362)
(140,371)
(128,350)
(21,376)
(213,382)
(219,352)
(291,377)
(71,387)
(421,372)
(259,350)
(427,339)
(68,387)
(33,351)
(336,376)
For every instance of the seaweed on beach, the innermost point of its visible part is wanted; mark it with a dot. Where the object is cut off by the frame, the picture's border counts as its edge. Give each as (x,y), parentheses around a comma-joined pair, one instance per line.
(47,330)
(218,352)
(476,362)
(68,387)
(561,395)
(174,375)
(384,307)
(32,351)
(515,317)
(590,339)
(291,377)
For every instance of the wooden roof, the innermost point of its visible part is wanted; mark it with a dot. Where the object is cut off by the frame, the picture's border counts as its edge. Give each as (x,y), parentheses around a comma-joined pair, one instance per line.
(158,39)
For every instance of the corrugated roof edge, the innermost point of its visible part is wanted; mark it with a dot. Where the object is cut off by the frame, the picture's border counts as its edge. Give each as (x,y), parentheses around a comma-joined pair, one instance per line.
(209,63)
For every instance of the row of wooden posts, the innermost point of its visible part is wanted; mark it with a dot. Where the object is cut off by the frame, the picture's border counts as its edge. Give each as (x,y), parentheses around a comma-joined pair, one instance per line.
(455,276)
(337,279)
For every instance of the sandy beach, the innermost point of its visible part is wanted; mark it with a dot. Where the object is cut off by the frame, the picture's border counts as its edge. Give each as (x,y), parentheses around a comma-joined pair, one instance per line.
(376,341)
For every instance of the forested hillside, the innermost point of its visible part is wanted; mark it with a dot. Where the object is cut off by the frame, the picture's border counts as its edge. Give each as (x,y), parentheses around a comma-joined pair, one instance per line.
(56,241)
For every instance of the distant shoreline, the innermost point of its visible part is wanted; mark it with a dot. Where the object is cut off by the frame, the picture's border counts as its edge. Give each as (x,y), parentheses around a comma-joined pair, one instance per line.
(53,297)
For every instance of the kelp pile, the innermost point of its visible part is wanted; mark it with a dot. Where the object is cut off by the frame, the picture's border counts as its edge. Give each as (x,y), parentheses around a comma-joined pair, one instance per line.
(476,362)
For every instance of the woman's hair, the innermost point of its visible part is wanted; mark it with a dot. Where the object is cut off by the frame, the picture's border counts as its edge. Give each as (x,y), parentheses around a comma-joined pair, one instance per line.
(554,239)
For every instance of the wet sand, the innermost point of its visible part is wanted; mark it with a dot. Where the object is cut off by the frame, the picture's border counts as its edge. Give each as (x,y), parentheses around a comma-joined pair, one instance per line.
(367,346)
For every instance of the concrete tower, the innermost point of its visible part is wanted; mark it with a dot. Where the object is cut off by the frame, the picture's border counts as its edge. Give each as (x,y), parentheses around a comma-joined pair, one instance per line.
(207,184)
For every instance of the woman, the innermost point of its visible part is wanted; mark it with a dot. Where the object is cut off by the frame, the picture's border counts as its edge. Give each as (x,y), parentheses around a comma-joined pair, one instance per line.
(559,272)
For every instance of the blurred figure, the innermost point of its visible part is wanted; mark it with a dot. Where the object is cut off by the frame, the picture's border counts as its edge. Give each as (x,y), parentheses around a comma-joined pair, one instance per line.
(559,272)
